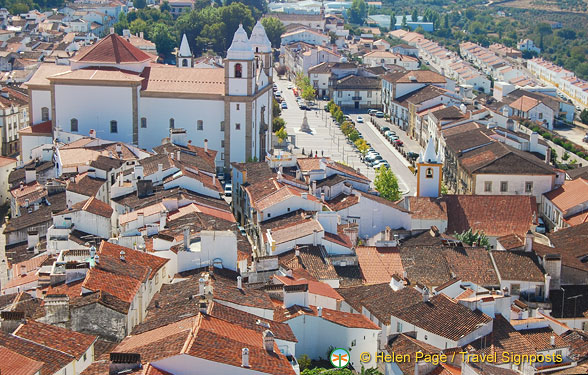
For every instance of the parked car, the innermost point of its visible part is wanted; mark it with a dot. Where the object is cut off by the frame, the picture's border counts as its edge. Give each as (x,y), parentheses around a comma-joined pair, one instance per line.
(228,190)
(541,226)
(371,112)
(359,120)
(284,105)
(290,86)
(385,129)
(379,114)
(399,142)
(393,138)
(278,94)
(242,230)
(412,155)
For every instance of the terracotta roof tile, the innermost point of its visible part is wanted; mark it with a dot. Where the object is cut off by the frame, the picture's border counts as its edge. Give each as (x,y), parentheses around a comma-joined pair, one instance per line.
(13,363)
(302,228)
(313,259)
(518,265)
(540,338)
(504,338)
(165,79)
(221,341)
(570,243)
(53,360)
(342,201)
(112,49)
(62,339)
(406,345)
(225,289)
(153,262)
(569,195)
(379,264)
(425,265)
(511,241)
(123,287)
(458,320)
(314,287)
(472,264)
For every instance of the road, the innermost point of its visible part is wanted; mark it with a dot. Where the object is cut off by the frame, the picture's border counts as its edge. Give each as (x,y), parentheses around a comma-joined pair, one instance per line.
(326,139)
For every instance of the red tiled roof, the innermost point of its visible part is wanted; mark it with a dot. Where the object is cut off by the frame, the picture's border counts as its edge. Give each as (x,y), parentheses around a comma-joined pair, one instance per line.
(345,319)
(15,364)
(4,161)
(40,128)
(379,264)
(112,49)
(62,339)
(133,256)
(123,287)
(94,206)
(220,341)
(569,195)
(314,286)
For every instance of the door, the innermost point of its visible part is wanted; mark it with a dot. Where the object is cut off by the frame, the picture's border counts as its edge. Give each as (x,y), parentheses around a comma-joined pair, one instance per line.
(356,105)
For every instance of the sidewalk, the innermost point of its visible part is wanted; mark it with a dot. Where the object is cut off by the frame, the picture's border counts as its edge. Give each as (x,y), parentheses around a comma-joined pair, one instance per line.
(410,145)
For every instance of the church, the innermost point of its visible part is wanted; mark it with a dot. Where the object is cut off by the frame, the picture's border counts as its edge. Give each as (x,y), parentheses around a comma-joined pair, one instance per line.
(118,91)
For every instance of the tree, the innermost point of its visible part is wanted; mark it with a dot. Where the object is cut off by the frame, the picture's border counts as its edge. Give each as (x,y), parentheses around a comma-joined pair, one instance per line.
(386,183)
(277,123)
(274,28)
(470,13)
(584,116)
(258,7)
(276,109)
(543,29)
(304,362)
(138,26)
(282,134)
(404,22)
(472,238)
(163,37)
(392,21)
(415,15)
(358,12)
(140,4)
(165,7)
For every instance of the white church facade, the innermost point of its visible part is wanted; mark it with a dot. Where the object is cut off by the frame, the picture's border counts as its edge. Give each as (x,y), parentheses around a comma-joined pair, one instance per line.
(117,90)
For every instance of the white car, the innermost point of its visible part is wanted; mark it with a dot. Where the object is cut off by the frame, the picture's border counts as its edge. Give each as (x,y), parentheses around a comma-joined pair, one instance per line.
(228,190)
(359,120)
(290,86)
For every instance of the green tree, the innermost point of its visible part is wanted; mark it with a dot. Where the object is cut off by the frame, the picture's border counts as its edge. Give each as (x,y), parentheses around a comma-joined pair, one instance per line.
(138,26)
(18,8)
(357,12)
(415,15)
(276,109)
(257,6)
(277,123)
(392,21)
(404,22)
(470,13)
(472,238)
(164,39)
(543,29)
(304,362)
(282,134)
(164,7)
(584,116)
(386,183)
(140,4)
(274,28)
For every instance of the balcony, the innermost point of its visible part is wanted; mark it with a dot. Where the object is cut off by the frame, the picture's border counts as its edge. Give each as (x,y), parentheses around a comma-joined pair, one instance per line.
(356,98)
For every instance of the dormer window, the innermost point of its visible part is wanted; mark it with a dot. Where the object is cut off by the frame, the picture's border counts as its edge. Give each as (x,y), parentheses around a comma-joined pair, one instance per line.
(238,71)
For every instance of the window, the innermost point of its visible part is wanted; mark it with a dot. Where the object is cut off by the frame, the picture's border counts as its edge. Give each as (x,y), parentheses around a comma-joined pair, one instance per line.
(199,125)
(339,93)
(113,126)
(353,343)
(515,289)
(222,156)
(540,115)
(238,70)
(172,123)
(237,126)
(238,107)
(529,187)
(369,94)
(488,186)
(222,143)
(85,356)
(222,126)
(503,186)
(143,122)
(184,62)
(398,327)
(44,114)
(269,215)
(74,124)
(429,173)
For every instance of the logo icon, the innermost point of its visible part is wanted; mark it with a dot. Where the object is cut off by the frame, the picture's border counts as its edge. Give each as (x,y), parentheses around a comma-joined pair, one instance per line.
(339,358)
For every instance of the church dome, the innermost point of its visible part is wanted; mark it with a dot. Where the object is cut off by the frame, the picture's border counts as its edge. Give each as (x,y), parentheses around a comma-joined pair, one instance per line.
(240,48)
(259,39)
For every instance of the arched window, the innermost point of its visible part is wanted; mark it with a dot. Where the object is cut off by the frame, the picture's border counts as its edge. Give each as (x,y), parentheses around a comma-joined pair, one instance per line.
(199,125)
(44,114)
(143,122)
(238,71)
(113,126)
(184,62)
(74,125)
(429,173)
(172,123)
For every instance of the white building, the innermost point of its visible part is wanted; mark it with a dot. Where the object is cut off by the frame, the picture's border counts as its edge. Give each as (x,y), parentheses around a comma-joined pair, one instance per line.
(305,35)
(140,101)
(379,58)
(528,45)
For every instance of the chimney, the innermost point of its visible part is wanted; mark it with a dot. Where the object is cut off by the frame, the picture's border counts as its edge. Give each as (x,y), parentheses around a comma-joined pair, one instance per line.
(122,363)
(141,35)
(201,286)
(322,197)
(268,340)
(30,175)
(32,239)
(206,145)
(314,237)
(239,283)
(21,185)
(203,305)
(387,234)
(26,204)
(122,256)
(289,272)
(112,30)
(529,241)
(244,357)
(162,220)
(159,169)
(92,133)
(118,148)
(97,259)
(140,219)
(426,295)
(319,311)
(552,340)
(178,153)
(313,187)
(547,286)
(186,239)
